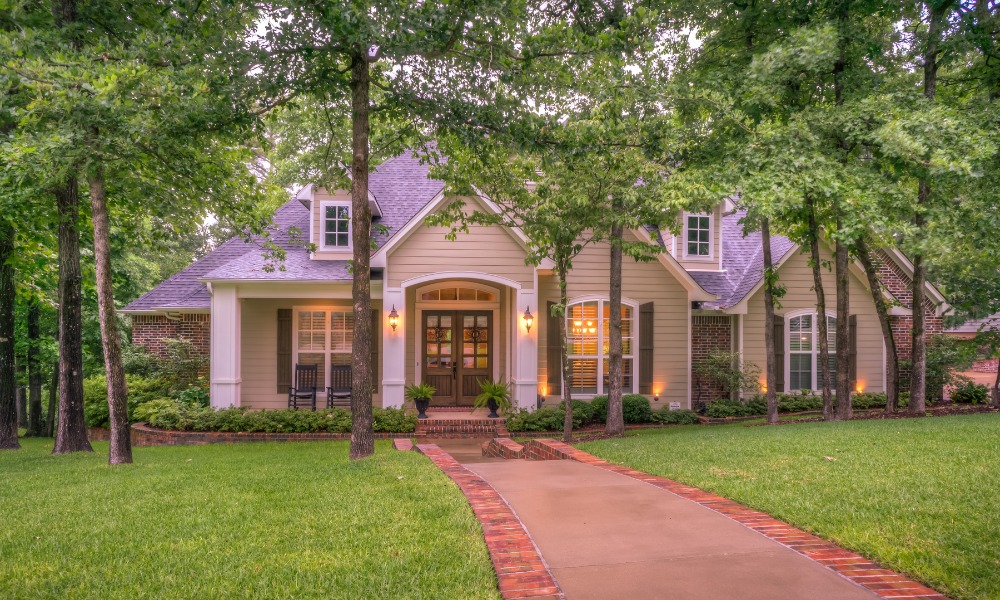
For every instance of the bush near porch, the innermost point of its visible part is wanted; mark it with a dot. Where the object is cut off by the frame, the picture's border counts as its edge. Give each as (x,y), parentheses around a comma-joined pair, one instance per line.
(178,416)
(916,495)
(635,410)
(294,520)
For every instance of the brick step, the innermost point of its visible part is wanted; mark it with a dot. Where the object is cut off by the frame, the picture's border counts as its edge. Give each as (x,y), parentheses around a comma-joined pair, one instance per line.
(459,421)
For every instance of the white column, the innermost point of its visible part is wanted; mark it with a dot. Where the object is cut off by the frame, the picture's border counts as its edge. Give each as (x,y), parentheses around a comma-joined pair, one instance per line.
(525,371)
(224,362)
(393,347)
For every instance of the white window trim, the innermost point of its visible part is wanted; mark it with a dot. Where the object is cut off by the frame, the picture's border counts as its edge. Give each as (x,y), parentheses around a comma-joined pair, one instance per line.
(327,311)
(322,226)
(815,352)
(600,345)
(711,238)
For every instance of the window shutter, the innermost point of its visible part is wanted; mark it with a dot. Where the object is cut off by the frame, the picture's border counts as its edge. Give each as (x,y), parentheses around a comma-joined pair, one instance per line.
(852,350)
(284,355)
(553,363)
(646,328)
(376,322)
(779,352)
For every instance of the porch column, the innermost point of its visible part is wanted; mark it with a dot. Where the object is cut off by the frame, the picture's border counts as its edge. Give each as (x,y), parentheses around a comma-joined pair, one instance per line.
(525,359)
(393,347)
(224,362)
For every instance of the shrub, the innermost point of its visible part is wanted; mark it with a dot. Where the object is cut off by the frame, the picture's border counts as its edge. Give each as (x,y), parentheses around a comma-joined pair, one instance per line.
(675,417)
(583,412)
(970,392)
(635,409)
(184,363)
(800,402)
(195,395)
(600,406)
(728,371)
(547,418)
(946,356)
(137,361)
(867,400)
(173,414)
(140,391)
(726,407)
(148,411)
(393,420)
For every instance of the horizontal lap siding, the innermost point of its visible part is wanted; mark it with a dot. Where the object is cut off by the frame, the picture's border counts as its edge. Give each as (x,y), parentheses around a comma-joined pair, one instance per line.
(259,339)
(796,276)
(641,282)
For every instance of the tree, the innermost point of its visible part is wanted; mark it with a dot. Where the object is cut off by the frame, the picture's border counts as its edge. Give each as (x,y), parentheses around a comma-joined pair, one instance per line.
(35,422)
(8,381)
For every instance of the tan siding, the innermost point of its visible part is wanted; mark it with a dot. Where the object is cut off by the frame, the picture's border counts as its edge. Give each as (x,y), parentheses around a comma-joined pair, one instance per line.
(490,250)
(796,275)
(259,338)
(641,282)
(318,197)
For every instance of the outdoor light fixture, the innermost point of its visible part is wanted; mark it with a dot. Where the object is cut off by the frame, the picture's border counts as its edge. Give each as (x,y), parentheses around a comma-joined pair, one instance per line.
(656,397)
(528,319)
(393,318)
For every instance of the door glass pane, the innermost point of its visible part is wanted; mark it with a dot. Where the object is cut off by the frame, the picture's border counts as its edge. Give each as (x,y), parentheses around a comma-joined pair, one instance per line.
(482,363)
(482,348)
(446,349)
(446,321)
(468,361)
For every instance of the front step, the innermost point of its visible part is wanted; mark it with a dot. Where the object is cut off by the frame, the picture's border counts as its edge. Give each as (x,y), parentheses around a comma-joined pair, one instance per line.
(459,428)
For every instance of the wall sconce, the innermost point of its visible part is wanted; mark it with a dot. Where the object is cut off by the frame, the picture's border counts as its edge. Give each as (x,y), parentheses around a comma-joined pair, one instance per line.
(656,397)
(393,318)
(528,319)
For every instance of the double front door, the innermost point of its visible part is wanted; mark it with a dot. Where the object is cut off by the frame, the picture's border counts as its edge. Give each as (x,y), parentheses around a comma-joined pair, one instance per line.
(457,353)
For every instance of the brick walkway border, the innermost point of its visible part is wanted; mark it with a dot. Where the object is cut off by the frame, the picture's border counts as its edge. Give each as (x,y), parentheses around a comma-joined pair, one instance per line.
(521,572)
(884,582)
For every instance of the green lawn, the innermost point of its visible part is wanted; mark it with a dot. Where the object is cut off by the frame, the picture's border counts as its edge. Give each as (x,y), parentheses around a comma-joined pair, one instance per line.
(917,495)
(236,521)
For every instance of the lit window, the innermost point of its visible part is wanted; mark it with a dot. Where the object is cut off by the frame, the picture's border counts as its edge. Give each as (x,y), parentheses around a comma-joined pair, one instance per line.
(336,226)
(698,236)
(324,337)
(803,351)
(588,338)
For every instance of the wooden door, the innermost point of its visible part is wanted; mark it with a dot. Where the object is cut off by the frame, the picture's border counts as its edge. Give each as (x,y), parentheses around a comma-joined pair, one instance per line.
(457,354)
(439,367)
(475,361)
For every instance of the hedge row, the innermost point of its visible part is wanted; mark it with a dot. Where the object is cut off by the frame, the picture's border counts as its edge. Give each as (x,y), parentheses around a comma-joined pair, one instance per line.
(635,409)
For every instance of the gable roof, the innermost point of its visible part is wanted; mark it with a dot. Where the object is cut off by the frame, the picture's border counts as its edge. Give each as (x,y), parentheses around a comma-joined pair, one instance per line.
(973,326)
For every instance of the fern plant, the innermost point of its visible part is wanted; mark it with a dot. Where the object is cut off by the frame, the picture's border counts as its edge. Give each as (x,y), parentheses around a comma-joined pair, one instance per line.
(497,391)
(419,391)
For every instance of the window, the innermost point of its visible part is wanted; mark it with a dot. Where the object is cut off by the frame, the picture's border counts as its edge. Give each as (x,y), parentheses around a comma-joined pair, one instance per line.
(698,236)
(803,351)
(460,294)
(588,336)
(336,219)
(323,338)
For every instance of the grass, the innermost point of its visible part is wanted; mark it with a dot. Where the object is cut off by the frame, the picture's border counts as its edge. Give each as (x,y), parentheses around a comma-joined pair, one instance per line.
(916,495)
(236,521)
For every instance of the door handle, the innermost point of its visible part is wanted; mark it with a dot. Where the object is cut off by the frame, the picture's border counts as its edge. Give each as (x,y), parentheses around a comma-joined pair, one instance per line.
(454,371)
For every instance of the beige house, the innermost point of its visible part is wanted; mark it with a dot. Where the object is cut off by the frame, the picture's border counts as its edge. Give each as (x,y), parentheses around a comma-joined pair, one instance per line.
(471,308)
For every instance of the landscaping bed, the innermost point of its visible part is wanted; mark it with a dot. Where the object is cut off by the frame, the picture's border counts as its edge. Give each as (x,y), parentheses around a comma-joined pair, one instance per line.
(915,495)
(239,521)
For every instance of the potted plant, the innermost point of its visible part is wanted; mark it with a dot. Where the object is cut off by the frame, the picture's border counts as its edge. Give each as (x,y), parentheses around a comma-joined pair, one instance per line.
(420,394)
(495,395)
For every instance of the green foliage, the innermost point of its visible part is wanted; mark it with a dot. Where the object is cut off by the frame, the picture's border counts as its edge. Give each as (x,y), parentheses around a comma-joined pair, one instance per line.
(970,392)
(636,409)
(184,363)
(419,391)
(727,407)
(946,356)
(140,391)
(600,406)
(185,417)
(195,395)
(868,400)
(137,361)
(787,403)
(583,412)
(497,391)
(547,418)
(665,416)
(728,371)
(393,420)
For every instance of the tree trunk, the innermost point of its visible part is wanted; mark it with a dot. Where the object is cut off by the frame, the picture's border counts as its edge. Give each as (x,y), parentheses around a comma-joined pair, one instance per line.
(35,427)
(120,451)
(842,262)
(50,418)
(8,376)
(995,400)
(829,413)
(769,341)
(616,420)
(71,432)
(362,432)
(20,399)
(891,355)
(562,270)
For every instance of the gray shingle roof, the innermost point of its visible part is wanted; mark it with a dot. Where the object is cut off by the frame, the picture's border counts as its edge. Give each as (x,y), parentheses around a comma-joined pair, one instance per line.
(992,321)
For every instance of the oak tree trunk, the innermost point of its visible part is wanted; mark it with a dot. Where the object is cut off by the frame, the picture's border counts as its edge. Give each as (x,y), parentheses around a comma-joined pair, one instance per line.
(8,376)
(882,308)
(769,341)
(842,263)
(71,430)
(50,417)
(829,413)
(20,398)
(35,422)
(120,451)
(616,420)
(362,432)
(562,271)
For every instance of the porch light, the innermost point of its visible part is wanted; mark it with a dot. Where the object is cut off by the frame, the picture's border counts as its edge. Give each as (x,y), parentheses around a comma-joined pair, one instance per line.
(528,319)
(393,318)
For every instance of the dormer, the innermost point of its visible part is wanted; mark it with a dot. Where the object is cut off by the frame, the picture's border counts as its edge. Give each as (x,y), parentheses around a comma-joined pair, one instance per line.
(330,222)
(698,244)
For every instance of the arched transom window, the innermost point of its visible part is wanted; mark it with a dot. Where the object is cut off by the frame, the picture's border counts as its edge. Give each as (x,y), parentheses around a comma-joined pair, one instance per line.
(588,335)
(458,294)
(803,351)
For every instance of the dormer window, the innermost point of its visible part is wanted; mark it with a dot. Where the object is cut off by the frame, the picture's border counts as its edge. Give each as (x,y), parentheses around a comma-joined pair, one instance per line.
(336,223)
(698,237)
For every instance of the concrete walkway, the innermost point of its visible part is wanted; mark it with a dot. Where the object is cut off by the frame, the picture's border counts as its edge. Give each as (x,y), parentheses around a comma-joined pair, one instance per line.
(604,535)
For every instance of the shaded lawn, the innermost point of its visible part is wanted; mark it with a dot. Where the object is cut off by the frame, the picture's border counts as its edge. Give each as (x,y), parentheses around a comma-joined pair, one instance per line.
(247,520)
(916,495)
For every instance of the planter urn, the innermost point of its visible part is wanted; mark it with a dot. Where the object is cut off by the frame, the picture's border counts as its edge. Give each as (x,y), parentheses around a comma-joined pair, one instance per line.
(493,406)
(422,405)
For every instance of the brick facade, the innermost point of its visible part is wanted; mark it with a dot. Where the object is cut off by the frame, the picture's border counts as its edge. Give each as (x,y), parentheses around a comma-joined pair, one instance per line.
(150,331)
(708,333)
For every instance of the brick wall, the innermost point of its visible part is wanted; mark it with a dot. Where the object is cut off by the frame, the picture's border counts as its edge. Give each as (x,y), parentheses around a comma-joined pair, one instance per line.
(150,331)
(708,333)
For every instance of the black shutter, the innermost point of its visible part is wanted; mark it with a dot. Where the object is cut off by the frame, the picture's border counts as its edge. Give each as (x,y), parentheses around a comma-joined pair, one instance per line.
(284,354)
(779,352)
(852,350)
(553,359)
(646,329)
(376,323)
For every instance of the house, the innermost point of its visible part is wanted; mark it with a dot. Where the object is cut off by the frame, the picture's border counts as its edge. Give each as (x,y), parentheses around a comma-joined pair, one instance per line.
(462,305)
